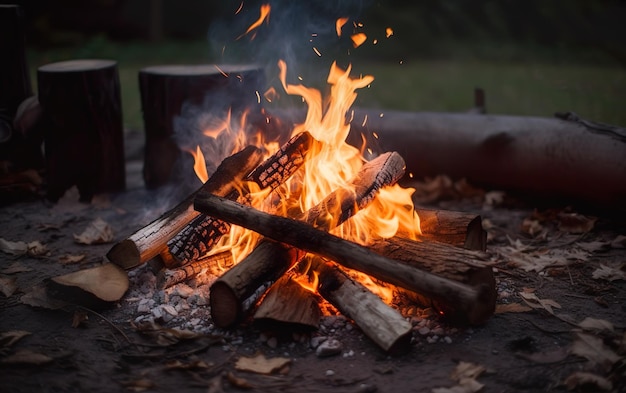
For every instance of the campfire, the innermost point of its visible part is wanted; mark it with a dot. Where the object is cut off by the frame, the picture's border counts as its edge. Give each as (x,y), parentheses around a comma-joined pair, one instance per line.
(280,227)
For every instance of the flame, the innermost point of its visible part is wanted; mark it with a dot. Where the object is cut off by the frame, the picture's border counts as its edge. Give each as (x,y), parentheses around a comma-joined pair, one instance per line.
(339,24)
(358,39)
(388,32)
(265,13)
(199,164)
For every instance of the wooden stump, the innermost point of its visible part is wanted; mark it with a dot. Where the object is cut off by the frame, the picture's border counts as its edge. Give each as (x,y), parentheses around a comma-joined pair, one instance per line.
(84,139)
(166,89)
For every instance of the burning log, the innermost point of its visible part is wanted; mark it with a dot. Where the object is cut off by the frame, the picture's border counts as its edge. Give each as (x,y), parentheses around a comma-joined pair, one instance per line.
(84,136)
(150,240)
(453,227)
(471,301)
(203,232)
(287,303)
(165,88)
(240,287)
(468,267)
(380,322)
(212,265)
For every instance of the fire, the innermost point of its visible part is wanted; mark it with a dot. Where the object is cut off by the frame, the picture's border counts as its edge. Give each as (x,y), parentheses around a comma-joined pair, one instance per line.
(339,24)
(265,13)
(199,164)
(358,39)
(388,32)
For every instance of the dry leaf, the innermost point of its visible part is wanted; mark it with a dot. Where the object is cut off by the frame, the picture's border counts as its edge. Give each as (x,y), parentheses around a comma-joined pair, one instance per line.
(13,248)
(575,223)
(593,349)
(596,324)
(532,227)
(192,365)
(465,374)
(26,356)
(581,380)
(512,307)
(69,259)
(547,357)
(7,339)
(38,297)
(533,301)
(594,246)
(237,382)
(138,385)
(107,282)
(97,232)
(15,268)
(608,273)
(619,242)
(8,285)
(261,365)
(167,336)
(464,386)
(36,249)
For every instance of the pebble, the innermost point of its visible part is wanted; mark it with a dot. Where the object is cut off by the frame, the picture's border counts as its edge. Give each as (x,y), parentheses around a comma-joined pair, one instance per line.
(316,341)
(423,330)
(272,342)
(330,373)
(329,347)
(348,354)
(183,290)
(447,339)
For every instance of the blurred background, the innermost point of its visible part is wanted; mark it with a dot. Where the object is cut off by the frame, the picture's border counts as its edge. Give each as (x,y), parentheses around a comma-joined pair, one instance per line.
(531,57)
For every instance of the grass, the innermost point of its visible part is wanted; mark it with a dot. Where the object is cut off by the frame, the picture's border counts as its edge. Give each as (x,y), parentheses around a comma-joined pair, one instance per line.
(514,88)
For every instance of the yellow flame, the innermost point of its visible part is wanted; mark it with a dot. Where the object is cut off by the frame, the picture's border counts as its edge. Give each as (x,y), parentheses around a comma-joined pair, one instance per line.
(388,32)
(265,13)
(358,39)
(199,164)
(339,24)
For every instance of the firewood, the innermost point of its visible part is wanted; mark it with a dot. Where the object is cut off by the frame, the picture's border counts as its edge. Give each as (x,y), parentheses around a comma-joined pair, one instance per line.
(84,134)
(149,241)
(380,322)
(238,289)
(165,89)
(203,232)
(93,287)
(468,300)
(468,267)
(212,265)
(287,305)
(453,227)
(242,285)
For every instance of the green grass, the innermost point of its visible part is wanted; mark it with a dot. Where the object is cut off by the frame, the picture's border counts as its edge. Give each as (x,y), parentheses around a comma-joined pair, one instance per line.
(531,88)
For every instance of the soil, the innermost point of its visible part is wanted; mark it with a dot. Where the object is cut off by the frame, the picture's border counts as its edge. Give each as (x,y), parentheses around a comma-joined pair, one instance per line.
(523,351)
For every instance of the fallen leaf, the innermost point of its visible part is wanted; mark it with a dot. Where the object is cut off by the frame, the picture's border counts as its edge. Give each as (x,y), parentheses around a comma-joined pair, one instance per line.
(36,249)
(42,227)
(138,385)
(531,226)
(26,356)
(15,268)
(593,349)
(108,282)
(237,382)
(546,357)
(97,232)
(38,297)
(79,318)
(609,273)
(8,285)
(69,259)
(191,365)
(581,380)
(619,242)
(511,307)
(7,339)
(465,374)
(13,248)
(464,386)
(167,336)
(575,223)
(596,324)
(533,301)
(594,246)
(261,365)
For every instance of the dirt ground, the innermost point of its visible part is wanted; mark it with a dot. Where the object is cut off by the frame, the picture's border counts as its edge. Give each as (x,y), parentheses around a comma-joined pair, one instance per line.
(555,266)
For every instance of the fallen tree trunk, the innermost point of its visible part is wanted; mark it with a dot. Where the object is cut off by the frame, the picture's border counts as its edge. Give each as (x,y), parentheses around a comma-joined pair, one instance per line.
(472,302)
(453,227)
(149,241)
(534,156)
(380,322)
(203,232)
(238,289)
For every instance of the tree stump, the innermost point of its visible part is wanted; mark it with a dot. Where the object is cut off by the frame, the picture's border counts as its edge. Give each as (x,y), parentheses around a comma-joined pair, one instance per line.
(167,89)
(84,139)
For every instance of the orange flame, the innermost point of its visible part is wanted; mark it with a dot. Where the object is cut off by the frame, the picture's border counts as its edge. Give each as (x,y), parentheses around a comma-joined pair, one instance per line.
(388,32)
(339,24)
(199,164)
(265,13)
(358,39)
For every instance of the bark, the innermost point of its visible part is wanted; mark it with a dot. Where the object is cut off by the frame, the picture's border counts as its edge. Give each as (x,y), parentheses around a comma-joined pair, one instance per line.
(166,89)
(468,300)
(233,294)
(149,241)
(381,323)
(84,136)
(212,265)
(453,227)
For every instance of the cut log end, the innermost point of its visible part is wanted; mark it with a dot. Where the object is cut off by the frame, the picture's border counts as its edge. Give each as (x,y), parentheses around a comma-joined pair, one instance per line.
(226,311)
(125,254)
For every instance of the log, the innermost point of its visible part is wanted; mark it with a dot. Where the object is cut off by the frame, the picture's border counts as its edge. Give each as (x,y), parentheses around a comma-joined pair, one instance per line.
(461,229)
(535,157)
(84,136)
(471,268)
(468,300)
(233,294)
(287,306)
(381,323)
(203,232)
(166,90)
(149,241)
(212,265)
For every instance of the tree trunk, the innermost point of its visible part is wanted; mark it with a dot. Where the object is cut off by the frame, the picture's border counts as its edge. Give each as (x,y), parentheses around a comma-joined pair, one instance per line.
(84,139)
